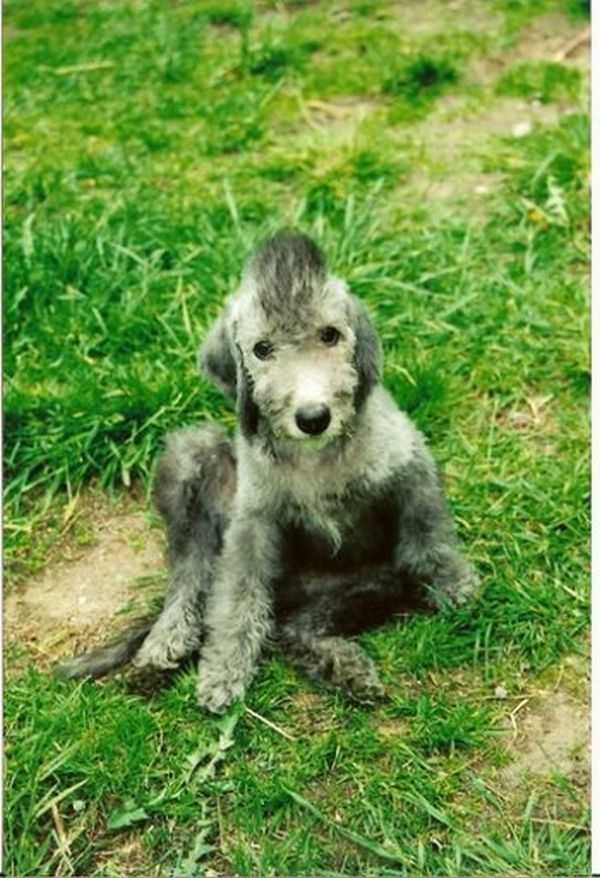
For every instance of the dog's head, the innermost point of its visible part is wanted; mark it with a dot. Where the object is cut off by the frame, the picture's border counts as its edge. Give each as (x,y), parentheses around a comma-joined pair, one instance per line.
(293,346)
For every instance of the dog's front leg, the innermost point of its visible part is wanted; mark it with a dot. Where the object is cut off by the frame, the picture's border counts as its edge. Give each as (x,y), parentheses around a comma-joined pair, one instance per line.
(238,613)
(427,547)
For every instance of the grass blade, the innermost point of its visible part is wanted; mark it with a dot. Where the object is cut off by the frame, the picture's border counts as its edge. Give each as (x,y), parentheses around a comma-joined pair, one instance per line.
(391,855)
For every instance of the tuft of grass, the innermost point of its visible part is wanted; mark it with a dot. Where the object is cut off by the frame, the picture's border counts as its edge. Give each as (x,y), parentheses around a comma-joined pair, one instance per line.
(272,61)
(519,13)
(418,80)
(370,166)
(234,14)
(438,726)
(545,81)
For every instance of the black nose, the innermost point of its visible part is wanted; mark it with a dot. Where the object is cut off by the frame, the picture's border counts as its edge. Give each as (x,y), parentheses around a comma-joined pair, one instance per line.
(313,419)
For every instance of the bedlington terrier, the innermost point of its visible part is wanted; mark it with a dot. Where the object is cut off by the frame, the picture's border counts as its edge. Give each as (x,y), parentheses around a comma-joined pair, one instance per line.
(315,520)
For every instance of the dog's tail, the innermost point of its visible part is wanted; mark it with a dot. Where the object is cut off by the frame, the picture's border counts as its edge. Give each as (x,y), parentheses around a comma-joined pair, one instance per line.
(107,658)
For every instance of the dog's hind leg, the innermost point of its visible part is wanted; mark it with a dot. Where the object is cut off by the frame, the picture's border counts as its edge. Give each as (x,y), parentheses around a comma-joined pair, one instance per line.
(312,631)
(333,660)
(194,486)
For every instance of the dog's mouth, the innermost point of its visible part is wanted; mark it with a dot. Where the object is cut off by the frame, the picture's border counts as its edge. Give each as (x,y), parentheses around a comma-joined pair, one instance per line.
(311,443)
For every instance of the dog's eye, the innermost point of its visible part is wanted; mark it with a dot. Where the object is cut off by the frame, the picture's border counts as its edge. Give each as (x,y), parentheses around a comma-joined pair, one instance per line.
(263,349)
(330,336)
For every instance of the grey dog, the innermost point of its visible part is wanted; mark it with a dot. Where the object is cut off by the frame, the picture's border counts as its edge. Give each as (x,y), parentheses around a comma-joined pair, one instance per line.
(313,523)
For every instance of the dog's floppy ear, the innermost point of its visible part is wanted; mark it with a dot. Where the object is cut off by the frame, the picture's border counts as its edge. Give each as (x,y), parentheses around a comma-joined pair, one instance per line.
(247,409)
(367,351)
(216,359)
(223,363)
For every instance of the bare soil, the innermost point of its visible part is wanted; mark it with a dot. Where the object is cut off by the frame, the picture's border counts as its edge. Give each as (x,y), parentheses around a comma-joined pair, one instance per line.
(455,133)
(552,738)
(77,599)
(548,739)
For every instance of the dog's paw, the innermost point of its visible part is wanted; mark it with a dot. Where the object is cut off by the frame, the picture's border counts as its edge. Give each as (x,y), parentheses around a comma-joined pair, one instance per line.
(168,644)
(455,592)
(155,654)
(367,692)
(349,668)
(215,691)
(364,685)
(466,589)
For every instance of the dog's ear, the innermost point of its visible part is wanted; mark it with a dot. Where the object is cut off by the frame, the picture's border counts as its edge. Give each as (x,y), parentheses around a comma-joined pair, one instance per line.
(223,363)
(216,358)
(368,354)
(247,409)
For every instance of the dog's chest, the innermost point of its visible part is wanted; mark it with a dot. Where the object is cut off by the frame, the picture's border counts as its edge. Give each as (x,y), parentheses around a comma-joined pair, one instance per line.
(317,500)
(325,517)
(340,533)
(330,513)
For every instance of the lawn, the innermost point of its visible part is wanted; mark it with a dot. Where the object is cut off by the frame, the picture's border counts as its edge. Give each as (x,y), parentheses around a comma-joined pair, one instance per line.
(439,153)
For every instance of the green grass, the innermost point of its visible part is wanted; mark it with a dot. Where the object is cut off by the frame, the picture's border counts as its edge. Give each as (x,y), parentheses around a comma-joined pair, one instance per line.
(147,147)
(417,80)
(545,81)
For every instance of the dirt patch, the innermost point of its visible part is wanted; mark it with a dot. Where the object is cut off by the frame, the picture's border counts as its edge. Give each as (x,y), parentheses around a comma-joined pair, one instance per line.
(553,737)
(452,139)
(127,858)
(457,124)
(392,729)
(451,144)
(425,19)
(554,37)
(74,601)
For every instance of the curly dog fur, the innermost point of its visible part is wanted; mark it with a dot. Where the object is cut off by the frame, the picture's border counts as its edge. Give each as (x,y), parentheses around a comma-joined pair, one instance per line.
(317,519)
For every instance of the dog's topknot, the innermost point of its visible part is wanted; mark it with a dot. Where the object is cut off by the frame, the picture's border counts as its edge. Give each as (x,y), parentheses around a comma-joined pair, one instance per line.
(287,270)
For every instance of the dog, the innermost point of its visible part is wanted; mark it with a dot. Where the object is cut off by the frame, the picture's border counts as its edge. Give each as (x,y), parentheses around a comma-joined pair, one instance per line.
(317,520)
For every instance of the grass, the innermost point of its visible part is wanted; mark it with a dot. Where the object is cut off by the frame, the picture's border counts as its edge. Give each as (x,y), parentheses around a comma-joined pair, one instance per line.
(418,79)
(146,149)
(544,81)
